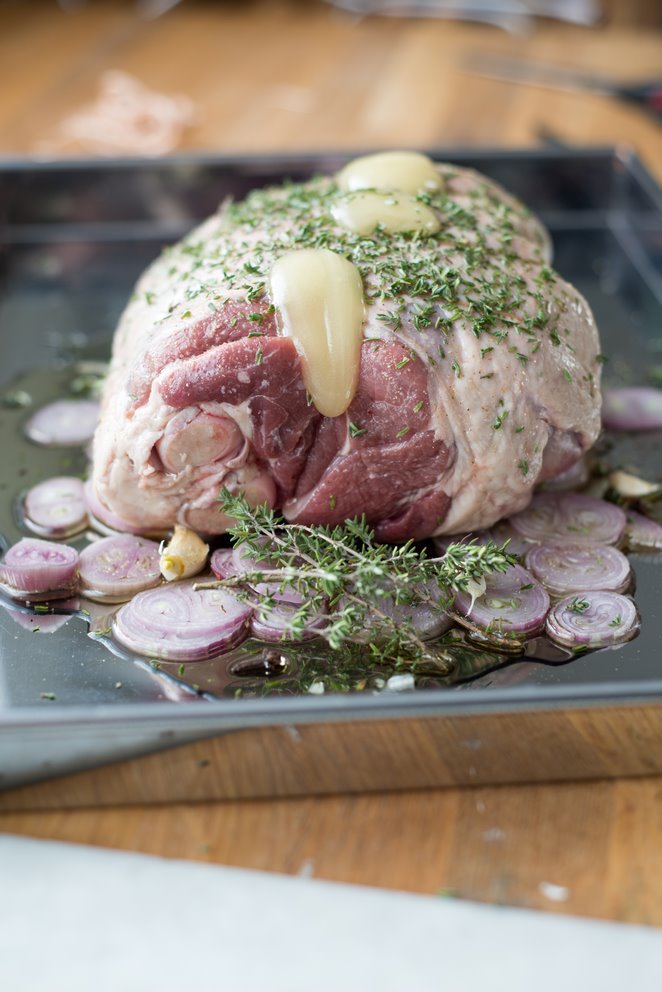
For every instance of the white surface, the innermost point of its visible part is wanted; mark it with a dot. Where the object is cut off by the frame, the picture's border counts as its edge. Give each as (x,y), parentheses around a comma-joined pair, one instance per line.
(76,918)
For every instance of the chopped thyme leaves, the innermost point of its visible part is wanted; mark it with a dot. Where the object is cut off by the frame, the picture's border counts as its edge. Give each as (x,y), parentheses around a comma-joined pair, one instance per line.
(523,466)
(616,622)
(486,351)
(418,406)
(186,314)
(402,432)
(355,430)
(554,337)
(578,605)
(501,416)
(259,354)
(456,369)
(403,361)
(566,375)
(332,502)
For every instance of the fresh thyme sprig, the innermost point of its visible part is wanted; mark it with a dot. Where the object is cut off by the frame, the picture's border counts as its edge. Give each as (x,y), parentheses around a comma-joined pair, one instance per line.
(354,579)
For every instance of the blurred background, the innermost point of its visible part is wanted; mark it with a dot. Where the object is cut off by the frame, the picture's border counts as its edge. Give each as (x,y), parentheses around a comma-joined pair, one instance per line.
(96,77)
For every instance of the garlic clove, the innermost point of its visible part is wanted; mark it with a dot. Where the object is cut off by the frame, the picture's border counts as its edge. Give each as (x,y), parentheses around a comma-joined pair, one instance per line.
(184,555)
(630,486)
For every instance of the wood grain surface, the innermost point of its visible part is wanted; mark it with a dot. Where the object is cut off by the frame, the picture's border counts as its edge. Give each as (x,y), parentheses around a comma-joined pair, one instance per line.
(287,76)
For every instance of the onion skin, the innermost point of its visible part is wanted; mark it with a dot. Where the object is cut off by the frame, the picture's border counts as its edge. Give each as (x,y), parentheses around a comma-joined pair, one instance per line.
(514,604)
(63,424)
(635,408)
(607,619)
(33,567)
(177,622)
(114,569)
(570,518)
(56,507)
(575,569)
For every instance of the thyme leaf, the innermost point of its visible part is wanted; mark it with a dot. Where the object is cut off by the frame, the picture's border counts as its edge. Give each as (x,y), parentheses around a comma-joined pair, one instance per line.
(344,571)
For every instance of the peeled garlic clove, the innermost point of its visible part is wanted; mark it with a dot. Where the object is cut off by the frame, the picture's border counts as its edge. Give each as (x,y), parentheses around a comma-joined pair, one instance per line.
(631,487)
(476,588)
(184,555)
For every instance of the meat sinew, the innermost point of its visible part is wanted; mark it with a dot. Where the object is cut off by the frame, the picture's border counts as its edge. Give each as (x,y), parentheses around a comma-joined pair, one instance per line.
(478,375)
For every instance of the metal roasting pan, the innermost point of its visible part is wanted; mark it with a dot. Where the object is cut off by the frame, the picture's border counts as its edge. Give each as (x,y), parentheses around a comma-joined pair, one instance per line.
(81,724)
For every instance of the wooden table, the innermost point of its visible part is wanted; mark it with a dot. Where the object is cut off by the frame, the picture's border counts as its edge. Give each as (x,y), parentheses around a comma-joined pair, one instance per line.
(284,76)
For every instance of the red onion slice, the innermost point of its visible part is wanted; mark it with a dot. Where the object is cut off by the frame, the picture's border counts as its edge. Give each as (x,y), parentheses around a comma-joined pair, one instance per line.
(39,568)
(222,563)
(635,408)
(642,533)
(574,569)
(513,603)
(593,619)
(569,518)
(427,620)
(275,624)
(64,423)
(178,622)
(243,560)
(114,569)
(56,507)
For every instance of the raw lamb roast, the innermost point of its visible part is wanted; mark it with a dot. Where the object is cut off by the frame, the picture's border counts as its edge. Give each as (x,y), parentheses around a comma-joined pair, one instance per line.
(477,373)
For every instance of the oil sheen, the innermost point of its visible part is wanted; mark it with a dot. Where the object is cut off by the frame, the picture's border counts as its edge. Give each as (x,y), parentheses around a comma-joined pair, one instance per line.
(319,299)
(393,211)
(404,171)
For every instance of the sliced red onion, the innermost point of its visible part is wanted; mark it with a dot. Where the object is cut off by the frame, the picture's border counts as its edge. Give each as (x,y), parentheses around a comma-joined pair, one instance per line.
(104,520)
(243,560)
(56,507)
(177,622)
(574,568)
(635,408)
(593,619)
(222,563)
(114,569)
(569,518)
(34,568)
(642,533)
(426,619)
(275,624)
(64,423)
(513,603)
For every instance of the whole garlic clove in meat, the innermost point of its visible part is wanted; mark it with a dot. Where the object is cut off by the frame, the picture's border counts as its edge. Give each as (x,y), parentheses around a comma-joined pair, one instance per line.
(184,555)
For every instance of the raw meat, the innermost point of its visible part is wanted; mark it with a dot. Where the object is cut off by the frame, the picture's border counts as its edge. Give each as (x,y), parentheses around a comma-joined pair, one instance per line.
(479,372)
